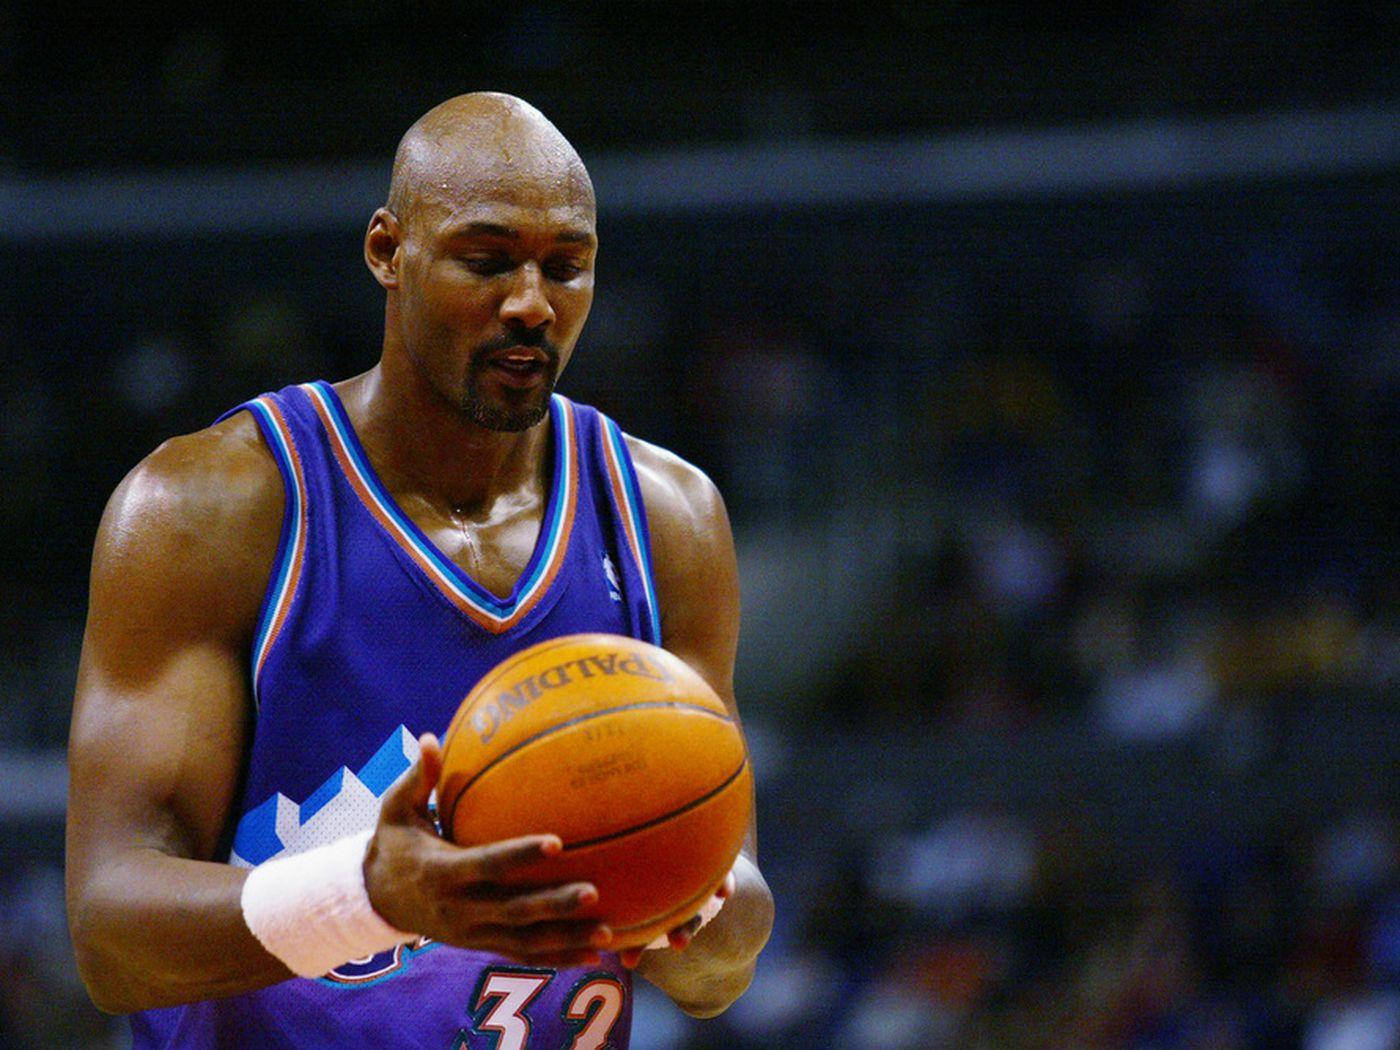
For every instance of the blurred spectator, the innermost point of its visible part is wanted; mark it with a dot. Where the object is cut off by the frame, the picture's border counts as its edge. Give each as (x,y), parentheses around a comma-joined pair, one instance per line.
(763,393)
(966,863)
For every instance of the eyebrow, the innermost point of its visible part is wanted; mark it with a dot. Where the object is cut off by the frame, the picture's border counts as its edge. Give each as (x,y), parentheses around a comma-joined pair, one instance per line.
(496,229)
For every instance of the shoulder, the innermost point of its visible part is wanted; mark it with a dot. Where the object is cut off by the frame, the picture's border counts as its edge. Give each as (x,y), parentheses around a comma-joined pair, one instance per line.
(223,475)
(692,546)
(693,563)
(679,496)
(200,515)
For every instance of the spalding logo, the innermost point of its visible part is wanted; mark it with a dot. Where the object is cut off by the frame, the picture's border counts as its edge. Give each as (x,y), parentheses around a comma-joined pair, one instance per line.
(495,712)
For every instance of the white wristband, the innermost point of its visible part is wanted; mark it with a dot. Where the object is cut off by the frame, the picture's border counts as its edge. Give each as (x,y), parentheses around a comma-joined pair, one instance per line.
(311,909)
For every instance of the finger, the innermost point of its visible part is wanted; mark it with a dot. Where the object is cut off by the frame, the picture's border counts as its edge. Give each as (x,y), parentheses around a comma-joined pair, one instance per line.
(521,909)
(497,859)
(681,936)
(543,938)
(429,771)
(630,957)
(564,960)
(408,797)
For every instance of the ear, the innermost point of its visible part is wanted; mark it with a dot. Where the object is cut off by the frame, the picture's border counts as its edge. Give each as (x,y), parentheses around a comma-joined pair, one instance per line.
(383,247)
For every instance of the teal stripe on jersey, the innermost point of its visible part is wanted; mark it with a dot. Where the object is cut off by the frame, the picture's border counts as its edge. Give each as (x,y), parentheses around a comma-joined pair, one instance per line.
(444,572)
(632,498)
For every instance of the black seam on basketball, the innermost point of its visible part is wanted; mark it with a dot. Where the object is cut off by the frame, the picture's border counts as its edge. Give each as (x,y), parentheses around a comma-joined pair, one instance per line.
(503,668)
(446,812)
(692,804)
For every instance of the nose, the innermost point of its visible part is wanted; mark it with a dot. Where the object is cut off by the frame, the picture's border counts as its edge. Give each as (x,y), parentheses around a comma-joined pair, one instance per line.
(527,304)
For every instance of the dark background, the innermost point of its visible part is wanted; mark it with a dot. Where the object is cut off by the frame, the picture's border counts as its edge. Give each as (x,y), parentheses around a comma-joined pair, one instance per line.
(1048,362)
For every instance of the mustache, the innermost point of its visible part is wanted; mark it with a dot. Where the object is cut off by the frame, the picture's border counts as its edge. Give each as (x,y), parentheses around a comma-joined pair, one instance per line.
(534,338)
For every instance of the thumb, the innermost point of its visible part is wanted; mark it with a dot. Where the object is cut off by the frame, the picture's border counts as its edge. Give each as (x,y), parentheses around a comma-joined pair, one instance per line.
(408,799)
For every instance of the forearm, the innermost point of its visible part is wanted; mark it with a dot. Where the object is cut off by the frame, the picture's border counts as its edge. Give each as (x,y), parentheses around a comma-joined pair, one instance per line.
(150,930)
(717,966)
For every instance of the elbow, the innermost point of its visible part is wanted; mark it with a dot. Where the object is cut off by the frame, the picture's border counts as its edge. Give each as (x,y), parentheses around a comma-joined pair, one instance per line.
(95,969)
(734,950)
(109,988)
(717,968)
(106,1000)
(100,965)
(720,994)
(750,923)
(84,914)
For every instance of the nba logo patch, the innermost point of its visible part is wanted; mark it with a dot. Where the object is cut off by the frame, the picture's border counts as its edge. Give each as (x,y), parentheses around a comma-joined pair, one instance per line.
(614,584)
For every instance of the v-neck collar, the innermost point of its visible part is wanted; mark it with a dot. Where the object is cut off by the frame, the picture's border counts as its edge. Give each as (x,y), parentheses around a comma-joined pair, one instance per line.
(490,611)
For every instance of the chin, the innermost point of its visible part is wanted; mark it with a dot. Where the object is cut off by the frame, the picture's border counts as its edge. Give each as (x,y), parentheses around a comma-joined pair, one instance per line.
(500,414)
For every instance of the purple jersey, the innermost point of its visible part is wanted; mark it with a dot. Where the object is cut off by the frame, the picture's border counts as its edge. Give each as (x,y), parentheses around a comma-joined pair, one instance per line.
(368,636)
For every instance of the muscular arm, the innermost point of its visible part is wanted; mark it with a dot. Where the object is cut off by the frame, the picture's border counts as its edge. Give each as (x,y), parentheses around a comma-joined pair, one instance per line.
(160,727)
(159,724)
(698,590)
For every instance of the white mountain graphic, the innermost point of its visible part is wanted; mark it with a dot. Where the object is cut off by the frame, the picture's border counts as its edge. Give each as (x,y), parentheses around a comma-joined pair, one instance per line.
(345,803)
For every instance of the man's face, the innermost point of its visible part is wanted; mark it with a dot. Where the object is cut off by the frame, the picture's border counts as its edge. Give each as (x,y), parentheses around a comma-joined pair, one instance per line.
(496,283)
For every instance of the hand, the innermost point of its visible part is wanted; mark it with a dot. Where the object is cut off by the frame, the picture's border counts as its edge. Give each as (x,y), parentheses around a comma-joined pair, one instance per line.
(678,938)
(418,882)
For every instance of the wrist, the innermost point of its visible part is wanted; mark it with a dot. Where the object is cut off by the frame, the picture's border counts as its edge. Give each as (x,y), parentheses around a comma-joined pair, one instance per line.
(312,911)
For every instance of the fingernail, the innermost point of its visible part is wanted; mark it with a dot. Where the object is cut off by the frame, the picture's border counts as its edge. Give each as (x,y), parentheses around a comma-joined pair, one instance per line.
(551,845)
(587,895)
(602,937)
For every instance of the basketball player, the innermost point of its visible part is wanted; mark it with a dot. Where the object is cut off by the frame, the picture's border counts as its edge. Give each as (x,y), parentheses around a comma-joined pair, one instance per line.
(286,607)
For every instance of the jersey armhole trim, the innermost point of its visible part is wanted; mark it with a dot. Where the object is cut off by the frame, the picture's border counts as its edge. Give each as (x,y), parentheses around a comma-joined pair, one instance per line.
(627,497)
(291,544)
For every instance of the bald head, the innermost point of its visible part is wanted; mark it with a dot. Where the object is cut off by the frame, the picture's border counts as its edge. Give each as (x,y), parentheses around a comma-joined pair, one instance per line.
(484,146)
(486,246)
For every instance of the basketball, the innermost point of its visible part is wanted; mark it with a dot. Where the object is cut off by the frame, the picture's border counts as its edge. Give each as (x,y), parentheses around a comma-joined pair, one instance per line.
(625,753)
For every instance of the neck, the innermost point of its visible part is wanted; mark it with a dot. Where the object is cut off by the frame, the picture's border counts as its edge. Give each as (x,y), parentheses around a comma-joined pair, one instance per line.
(422,444)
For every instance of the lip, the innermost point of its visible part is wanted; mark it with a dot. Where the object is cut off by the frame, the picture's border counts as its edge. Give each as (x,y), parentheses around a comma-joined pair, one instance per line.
(522,355)
(520,367)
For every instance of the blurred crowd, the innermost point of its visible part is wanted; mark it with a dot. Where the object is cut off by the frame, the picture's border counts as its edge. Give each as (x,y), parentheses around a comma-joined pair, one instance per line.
(1157,510)
(984,931)
(1142,499)
(1181,511)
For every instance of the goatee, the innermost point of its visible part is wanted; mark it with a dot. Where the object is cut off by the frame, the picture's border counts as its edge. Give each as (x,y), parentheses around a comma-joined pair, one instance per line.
(512,410)
(494,414)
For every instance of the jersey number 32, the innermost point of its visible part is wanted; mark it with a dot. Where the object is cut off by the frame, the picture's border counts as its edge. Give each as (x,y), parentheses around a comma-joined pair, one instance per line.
(503,995)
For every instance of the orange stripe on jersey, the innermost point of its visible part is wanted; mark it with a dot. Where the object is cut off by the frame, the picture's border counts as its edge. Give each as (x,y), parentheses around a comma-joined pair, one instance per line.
(290,563)
(483,608)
